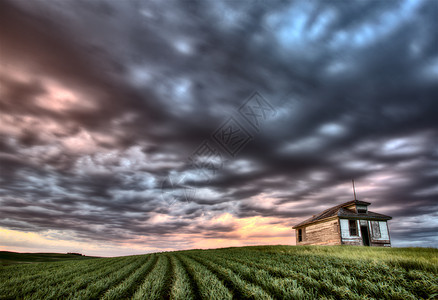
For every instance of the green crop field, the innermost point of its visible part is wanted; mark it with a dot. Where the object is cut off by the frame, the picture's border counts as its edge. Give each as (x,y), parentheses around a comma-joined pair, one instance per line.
(262,272)
(10,258)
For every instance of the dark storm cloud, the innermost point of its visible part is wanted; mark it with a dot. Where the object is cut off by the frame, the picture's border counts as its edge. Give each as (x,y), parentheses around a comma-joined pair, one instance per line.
(354,86)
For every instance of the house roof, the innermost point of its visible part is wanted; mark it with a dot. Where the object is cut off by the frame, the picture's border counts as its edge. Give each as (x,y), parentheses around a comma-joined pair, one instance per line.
(341,211)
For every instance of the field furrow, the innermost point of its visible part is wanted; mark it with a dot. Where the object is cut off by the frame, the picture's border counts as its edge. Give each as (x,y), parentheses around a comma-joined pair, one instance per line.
(194,286)
(126,289)
(49,279)
(291,272)
(181,288)
(98,287)
(282,288)
(240,288)
(8,273)
(328,280)
(208,285)
(67,288)
(65,269)
(154,286)
(262,272)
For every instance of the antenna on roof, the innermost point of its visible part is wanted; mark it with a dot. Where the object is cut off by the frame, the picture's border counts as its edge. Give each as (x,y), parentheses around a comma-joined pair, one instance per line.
(354,190)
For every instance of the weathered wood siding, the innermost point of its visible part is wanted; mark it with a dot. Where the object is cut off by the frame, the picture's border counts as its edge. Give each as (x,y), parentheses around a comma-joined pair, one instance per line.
(347,239)
(324,233)
(337,232)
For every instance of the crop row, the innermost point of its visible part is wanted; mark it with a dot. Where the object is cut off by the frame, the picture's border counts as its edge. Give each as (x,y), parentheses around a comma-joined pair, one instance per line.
(328,277)
(217,274)
(36,283)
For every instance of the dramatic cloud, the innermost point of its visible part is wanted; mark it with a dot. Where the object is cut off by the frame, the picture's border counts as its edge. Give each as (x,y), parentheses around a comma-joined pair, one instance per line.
(105,106)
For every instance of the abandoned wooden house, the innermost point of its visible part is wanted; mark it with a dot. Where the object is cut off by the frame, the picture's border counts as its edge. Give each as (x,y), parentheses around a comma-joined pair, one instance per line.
(350,223)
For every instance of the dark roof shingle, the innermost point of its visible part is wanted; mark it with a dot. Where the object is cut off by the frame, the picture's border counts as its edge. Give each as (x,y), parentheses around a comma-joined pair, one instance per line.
(341,211)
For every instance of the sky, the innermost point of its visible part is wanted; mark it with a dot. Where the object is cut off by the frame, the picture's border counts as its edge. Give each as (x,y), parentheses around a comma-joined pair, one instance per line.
(130,127)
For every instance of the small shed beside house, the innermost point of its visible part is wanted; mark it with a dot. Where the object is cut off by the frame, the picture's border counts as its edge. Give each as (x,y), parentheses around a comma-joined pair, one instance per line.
(350,223)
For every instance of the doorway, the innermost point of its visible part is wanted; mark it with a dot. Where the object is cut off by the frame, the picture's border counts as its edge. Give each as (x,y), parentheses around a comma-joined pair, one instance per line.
(365,235)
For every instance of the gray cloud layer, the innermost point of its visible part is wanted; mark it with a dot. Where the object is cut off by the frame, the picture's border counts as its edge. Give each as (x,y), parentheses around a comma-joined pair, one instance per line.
(99,102)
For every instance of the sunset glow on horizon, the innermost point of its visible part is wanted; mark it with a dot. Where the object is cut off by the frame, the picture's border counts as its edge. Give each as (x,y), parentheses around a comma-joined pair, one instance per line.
(118,121)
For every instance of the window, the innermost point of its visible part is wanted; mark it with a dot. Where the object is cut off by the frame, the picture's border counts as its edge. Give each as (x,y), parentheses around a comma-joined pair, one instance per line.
(352,224)
(335,227)
(376,229)
(362,209)
(300,235)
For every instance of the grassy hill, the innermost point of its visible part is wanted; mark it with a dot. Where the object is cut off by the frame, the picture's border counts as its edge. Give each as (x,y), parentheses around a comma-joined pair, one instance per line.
(9,258)
(262,272)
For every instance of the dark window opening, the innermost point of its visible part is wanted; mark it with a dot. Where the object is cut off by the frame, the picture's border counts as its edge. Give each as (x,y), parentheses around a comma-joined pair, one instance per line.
(300,235)
(362,211)
(353,227)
